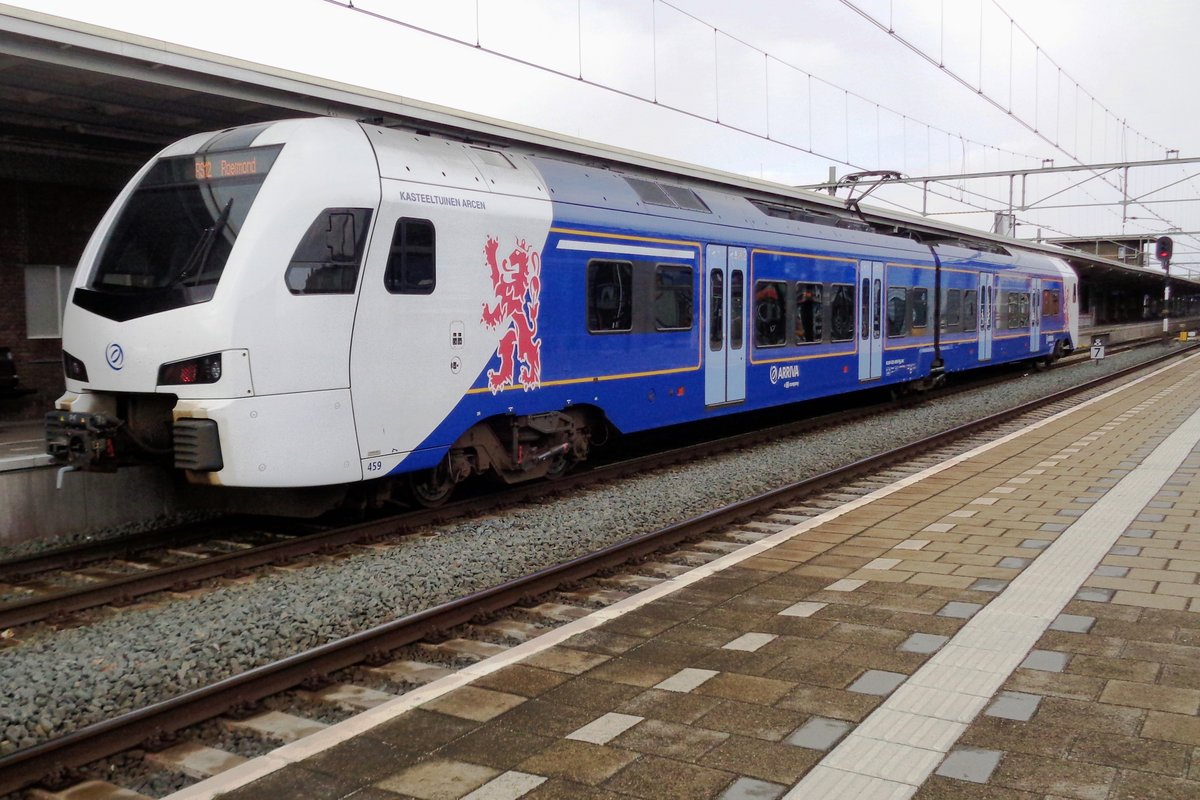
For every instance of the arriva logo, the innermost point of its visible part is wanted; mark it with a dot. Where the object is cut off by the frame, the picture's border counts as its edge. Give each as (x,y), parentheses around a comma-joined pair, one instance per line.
(784,373)
(114,354)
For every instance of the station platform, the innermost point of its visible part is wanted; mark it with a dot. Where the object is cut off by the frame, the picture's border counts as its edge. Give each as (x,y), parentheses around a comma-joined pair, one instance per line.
(1020,621)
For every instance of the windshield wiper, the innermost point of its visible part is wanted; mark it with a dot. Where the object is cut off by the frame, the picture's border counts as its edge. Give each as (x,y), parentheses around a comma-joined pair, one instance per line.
(198,258)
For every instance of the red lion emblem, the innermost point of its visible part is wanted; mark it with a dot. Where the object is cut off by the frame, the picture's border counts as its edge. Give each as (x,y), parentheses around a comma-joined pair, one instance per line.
(517,283)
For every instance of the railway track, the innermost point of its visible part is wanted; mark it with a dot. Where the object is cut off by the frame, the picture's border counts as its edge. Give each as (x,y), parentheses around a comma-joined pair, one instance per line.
(56,585)
(425,634)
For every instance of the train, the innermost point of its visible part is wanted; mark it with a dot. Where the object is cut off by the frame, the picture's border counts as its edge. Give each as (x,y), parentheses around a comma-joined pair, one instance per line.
(330,303)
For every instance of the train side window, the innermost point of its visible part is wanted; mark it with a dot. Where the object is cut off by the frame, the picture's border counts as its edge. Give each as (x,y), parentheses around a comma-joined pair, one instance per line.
(609,285)
(1017,306)
(411,262)
(672,297)
(329,254)
(897,310)
(770,313)
(810,313)
(952,310)
(920,308)
(841,312)
(970,320)
(1051,303)
(736,316)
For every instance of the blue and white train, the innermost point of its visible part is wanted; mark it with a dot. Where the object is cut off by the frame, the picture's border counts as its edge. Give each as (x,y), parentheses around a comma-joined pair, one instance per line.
(323,302)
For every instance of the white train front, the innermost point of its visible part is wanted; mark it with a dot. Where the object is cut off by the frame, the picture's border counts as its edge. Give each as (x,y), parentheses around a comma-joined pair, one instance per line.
(322,302)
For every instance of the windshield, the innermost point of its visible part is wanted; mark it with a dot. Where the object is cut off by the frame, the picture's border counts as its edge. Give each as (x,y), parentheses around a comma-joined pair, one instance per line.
(171,241)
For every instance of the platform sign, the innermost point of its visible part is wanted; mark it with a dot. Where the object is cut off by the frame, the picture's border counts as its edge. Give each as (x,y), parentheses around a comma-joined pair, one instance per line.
(1098,348)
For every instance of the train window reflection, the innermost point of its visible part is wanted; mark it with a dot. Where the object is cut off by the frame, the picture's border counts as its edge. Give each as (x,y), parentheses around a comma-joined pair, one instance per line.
(810,312)
(672,298)
(897,310)
(609,286)
(411,262)
(841,312)
(770,313)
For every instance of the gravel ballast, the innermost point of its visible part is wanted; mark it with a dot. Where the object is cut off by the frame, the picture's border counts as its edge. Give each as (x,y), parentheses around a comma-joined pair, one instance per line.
(58,681)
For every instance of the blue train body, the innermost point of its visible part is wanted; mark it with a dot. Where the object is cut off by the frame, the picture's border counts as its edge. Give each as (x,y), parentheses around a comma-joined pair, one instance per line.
(322,302)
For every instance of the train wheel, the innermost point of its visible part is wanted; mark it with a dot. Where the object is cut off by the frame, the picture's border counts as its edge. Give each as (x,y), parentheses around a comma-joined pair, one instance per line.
(432,487)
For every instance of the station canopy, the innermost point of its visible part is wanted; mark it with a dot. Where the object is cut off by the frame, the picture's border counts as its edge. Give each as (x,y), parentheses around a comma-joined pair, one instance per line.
(85,105)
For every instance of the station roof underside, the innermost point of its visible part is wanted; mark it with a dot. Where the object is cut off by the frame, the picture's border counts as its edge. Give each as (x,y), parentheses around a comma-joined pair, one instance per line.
(81,104)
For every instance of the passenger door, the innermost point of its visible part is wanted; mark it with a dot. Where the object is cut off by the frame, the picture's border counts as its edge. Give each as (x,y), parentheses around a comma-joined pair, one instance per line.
(870,320)
(1035,315)
(987,314)
(725,325)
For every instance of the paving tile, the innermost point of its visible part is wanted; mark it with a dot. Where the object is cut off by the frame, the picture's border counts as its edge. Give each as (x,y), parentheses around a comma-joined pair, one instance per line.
(500,749)
(958,610)
(802,609)
(581,762)
(1072,623)
(746,688)
(972,764)
(819,733)
(923,643)
(604,729)
(523,680)
(562,659)
(1156,698)
(632,673)
(421,731)
(1046,660)
(654,777)
(669,740)
(1054,777)
(1020,706)
(470,702)
(373,760)
(1181,728)
(837,703)
(686,680)
(438,779)
(746,719)
(877,682)
(507,786)
(992,585)
(769,761)
(753,789)
(1131,752)
(1137,785)
(750,641)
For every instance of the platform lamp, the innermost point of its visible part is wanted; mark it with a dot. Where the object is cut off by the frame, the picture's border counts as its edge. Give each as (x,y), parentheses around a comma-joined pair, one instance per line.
(1162,251)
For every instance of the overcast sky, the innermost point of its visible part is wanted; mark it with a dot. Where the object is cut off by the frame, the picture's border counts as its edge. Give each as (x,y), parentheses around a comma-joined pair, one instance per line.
(783,76)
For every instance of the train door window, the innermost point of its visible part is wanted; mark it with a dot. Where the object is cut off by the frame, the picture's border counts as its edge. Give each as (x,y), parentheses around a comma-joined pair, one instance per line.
(411,263)
(328,257)
(737,320)
(810,313)
(897,310)
(865,316)
(716,309)
(841,312)
(770,313)
(952,310)
(920,308)
(1051,306)
(970,319)
(672,297)
(609,285)
(876,323)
